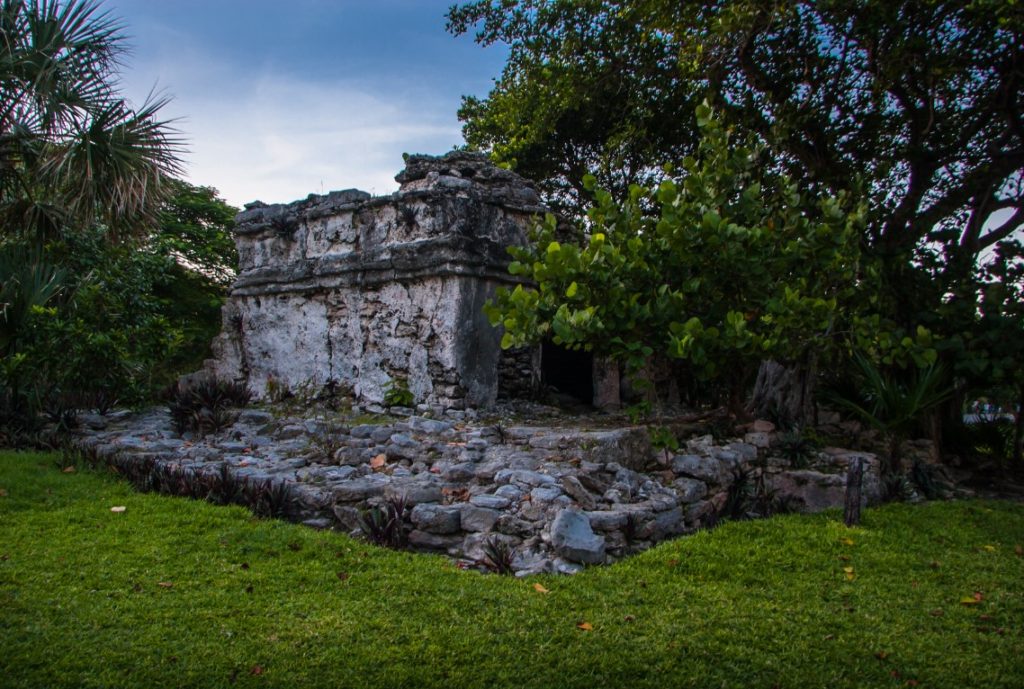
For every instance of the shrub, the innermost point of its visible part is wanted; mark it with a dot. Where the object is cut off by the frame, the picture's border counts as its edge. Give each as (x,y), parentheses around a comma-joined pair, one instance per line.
(398,394)
(892,402)
(205,406)
(664,438)
(385,526)
(328,438)
(498,556)
(271,499)
(797,447)
(739,495)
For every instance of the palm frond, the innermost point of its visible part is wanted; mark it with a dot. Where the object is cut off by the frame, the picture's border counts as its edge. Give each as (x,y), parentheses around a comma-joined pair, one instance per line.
(67,137)
(26,281)
(892,404)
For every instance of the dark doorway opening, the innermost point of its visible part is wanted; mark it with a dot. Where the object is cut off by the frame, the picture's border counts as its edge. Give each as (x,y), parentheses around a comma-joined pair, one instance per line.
(569,372)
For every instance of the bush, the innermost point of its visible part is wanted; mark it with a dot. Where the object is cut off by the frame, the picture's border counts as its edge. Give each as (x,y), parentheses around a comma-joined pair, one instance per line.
(385,526)
(205,405)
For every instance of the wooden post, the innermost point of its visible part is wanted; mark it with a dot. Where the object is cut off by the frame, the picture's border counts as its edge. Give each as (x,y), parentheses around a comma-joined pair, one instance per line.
(854,478)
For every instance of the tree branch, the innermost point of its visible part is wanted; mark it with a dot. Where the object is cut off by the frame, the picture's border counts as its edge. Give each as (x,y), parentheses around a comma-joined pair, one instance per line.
(1012,224)
(971,186)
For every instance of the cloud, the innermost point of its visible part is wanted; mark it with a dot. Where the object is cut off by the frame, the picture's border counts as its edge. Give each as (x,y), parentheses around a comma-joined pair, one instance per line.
(255,131)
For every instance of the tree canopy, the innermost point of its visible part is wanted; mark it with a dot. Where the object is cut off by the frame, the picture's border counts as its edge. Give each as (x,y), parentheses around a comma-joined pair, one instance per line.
(112,272)
(914,104)
(910,109)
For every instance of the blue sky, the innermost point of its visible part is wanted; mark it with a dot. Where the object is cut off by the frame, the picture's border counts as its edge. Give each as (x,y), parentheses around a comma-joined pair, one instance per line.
(280,99)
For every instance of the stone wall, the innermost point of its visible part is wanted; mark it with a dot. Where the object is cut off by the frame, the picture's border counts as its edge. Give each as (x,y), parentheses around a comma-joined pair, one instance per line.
(557,497)
(378,293)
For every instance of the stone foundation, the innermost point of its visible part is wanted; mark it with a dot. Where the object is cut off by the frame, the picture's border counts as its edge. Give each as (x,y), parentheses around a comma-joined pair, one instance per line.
(559,498)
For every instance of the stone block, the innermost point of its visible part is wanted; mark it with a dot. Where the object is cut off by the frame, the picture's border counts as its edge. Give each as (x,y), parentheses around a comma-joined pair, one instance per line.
(415,491)
(663,525)
(574,539)
(494,502)
(572,486)
(432,541)
(357,489)
(437,519)
(545,494)
(525,477)
(690,490)
(607,520)
(758,439)
(700,467)
(478,518)
(810,491)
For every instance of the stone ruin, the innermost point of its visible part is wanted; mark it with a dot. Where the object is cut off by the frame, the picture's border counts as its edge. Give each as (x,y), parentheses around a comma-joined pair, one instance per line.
(558,494)
(375,294)
(378,294)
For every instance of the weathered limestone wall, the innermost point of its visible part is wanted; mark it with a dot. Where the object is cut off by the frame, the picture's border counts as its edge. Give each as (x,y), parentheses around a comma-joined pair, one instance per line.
(371,293)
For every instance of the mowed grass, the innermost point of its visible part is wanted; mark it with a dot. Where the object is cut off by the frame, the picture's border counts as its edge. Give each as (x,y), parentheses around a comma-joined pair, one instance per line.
(178,593)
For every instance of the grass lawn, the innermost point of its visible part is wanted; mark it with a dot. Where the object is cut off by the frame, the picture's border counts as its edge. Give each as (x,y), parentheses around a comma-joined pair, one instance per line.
(176,593)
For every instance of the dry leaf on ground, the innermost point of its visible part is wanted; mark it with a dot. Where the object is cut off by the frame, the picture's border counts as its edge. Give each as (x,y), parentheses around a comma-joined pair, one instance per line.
(540,589)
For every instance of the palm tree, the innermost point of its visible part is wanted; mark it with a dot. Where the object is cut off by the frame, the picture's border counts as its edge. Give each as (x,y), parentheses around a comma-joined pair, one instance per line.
(73,152)
(74,155)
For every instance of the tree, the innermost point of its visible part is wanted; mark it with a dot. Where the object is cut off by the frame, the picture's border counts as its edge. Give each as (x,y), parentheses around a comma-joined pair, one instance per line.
(727,265)
(915,104)
(118,320)
(79,167)
(73,152)
(194,227)
(194,235)
(912,106)
(589,89)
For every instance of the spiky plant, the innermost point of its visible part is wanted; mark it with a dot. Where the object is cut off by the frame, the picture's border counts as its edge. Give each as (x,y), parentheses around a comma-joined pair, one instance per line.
(272,499)
(892,404)
(498,556)
(385,525)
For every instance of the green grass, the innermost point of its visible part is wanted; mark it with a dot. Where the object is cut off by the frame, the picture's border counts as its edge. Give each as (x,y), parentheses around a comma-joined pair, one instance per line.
(261,603)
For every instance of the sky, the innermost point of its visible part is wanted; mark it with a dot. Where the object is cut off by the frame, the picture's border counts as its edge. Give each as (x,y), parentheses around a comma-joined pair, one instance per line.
(277,100)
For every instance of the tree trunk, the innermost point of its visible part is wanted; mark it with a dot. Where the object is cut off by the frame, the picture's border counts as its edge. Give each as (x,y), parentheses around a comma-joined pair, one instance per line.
(1018,429)
(785,393)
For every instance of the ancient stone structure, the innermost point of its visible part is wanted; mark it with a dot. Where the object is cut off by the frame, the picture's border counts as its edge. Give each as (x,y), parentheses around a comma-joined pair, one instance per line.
(557,497)
(380,294)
